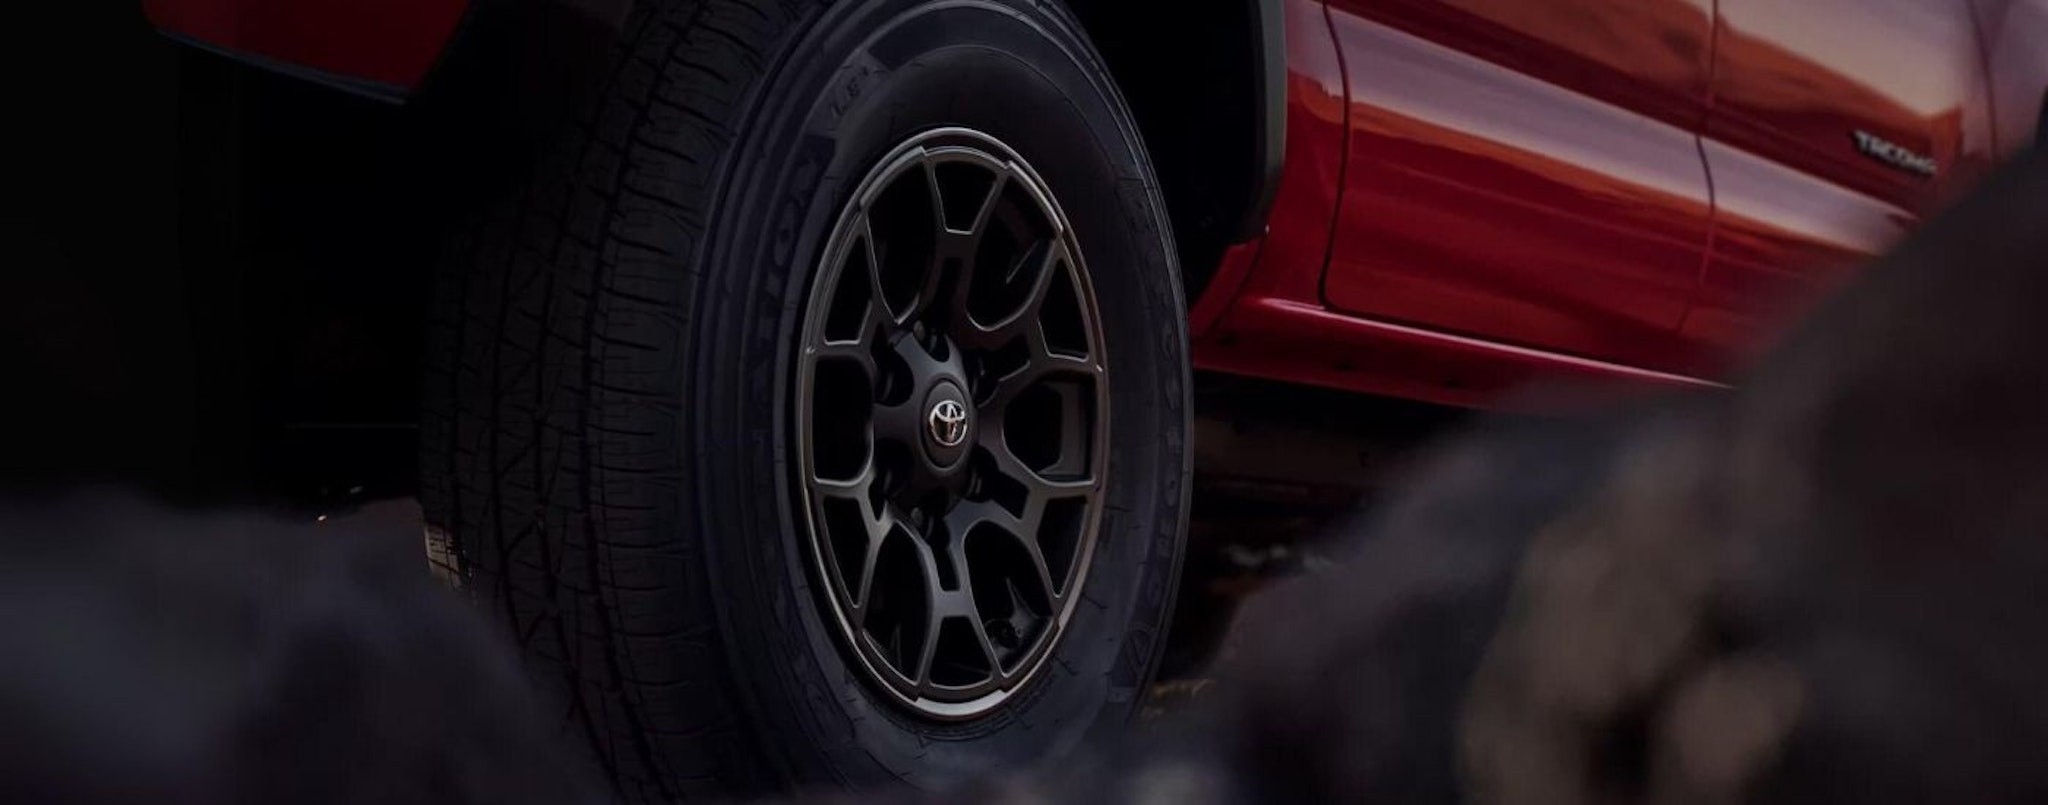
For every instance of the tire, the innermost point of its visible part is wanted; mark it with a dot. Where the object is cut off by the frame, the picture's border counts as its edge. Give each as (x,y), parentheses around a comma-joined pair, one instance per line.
(609,459)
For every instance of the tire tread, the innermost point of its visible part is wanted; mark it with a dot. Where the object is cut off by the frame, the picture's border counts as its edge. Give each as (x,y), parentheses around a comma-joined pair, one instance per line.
(545,380)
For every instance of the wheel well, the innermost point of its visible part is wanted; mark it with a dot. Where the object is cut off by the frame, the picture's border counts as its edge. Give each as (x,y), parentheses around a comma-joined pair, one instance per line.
(1209,105)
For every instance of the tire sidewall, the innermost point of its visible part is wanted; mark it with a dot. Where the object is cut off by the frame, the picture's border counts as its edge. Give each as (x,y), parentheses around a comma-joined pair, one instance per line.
(865,77)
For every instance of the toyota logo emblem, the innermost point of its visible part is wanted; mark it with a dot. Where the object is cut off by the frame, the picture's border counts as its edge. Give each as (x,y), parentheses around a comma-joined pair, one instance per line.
(948,423)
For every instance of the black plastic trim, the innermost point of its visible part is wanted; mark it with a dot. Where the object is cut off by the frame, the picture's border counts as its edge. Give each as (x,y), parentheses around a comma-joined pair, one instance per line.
(1269,53)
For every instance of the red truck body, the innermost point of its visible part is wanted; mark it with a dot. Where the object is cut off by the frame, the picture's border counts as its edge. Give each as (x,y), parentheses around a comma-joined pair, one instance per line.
(1477,194)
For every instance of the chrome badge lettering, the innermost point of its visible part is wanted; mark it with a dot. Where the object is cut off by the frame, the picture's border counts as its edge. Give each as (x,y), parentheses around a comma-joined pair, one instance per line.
(1893,154)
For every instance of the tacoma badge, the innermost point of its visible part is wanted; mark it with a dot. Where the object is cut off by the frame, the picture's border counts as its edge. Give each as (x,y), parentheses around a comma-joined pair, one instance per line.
(1893,154)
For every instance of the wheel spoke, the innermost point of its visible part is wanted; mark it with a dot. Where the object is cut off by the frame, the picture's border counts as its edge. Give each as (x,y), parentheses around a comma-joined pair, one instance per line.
(1075,432)
(878,300)
(854,352)
(991,439)
(983,211)
(928,285)
(1042,364)
(930,169)
(972,513)
(977,335)
(964,604)
(874,317)
(927,282)
(964,245)
(900,422)
(988,647)
(876,522)
(987,210)
(922,673)
(931,274)
(855,488)
(933,596)
(1023,531)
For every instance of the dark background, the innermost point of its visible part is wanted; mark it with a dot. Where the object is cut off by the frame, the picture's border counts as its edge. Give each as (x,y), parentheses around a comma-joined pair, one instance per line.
(214,292)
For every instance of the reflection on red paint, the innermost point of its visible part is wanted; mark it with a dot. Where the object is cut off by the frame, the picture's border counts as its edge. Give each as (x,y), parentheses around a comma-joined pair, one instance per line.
(1649,56)
(1781,240)
(1521,210)
(1636,190)
(1484,202)
(1793,81)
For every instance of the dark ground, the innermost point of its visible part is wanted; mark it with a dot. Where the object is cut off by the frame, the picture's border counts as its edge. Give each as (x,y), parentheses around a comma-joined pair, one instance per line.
(1230,557)
(212,292)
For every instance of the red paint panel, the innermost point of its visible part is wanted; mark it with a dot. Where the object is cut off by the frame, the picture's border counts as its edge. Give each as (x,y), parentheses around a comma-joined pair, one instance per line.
(1793,80)
(1487,203)
(392,42)
(1276,325)
(1798,204)
(1649,56)
(1304,343)
(1782,239)
(1517,181)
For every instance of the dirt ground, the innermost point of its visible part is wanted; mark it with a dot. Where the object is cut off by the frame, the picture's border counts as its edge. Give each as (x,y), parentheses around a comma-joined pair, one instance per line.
(1232,554)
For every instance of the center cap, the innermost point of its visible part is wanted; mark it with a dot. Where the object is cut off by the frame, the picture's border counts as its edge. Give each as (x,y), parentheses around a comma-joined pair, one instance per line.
(946,421)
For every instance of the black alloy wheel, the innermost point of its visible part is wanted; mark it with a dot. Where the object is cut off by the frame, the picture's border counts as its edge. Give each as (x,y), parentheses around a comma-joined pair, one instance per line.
(817,413)
(951,417)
